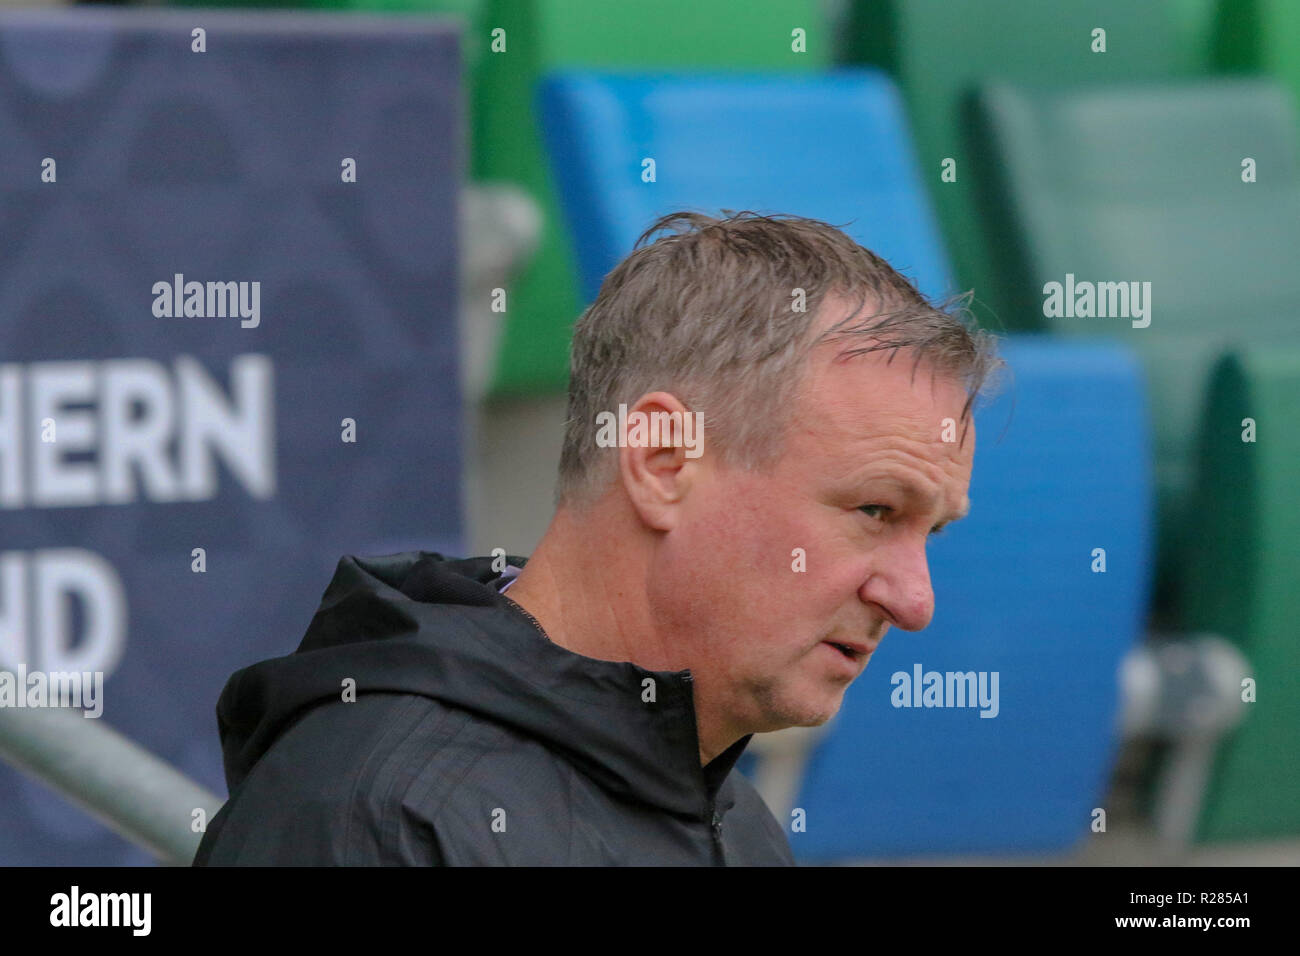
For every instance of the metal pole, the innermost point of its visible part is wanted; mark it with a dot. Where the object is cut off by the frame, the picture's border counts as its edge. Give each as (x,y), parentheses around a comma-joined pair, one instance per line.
(118,782)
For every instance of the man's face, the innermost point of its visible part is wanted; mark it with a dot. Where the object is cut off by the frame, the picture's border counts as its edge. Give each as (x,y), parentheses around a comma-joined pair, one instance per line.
(864,479)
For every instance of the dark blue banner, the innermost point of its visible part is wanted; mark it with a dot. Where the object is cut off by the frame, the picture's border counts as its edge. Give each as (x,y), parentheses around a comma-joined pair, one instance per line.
(228,351)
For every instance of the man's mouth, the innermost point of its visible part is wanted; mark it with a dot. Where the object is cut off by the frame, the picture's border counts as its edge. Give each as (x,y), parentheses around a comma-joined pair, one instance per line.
(854,652)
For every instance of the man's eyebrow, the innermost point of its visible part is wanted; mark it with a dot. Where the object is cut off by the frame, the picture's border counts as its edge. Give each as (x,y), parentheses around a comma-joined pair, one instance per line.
(962,512)
(915,494)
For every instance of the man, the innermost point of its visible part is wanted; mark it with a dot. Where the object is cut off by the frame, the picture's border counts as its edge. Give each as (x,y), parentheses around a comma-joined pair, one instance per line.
(686,595)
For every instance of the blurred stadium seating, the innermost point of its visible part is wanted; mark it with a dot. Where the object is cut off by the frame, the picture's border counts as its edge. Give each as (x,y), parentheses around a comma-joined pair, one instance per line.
(1244,568)
(1005,40)
(1146,181)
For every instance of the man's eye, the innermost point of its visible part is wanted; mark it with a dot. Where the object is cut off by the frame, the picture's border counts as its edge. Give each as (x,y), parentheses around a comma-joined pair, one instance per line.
(879,511)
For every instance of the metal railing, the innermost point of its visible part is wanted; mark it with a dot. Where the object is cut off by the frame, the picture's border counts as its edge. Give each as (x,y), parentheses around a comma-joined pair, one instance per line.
(132,791)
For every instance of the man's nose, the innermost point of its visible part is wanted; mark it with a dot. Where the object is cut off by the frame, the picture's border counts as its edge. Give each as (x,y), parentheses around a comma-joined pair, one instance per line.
(900,584)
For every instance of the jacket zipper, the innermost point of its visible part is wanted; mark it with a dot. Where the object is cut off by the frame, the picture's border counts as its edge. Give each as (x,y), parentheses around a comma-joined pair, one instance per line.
(718,852)
(716,825)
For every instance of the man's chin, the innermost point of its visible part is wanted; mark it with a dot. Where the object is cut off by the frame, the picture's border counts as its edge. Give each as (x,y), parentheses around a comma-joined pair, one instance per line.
(809,717)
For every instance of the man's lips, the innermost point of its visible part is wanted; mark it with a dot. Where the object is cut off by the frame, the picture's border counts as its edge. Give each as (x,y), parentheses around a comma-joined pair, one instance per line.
(856,650)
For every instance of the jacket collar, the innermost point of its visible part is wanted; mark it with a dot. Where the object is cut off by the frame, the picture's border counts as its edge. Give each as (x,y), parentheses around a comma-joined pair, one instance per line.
(634,728)
(448,634)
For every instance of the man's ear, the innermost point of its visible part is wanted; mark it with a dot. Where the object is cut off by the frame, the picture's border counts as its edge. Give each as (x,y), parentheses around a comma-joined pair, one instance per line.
(658,457)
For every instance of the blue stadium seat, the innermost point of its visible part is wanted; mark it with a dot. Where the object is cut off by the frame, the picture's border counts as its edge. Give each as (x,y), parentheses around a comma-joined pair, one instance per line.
(1062,467)
(833,147)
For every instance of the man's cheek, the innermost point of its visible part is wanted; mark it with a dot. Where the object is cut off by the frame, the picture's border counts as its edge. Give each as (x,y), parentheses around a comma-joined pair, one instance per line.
(783,549)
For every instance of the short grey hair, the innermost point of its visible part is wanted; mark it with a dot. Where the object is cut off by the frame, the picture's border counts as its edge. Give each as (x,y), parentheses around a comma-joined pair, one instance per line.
(708,314)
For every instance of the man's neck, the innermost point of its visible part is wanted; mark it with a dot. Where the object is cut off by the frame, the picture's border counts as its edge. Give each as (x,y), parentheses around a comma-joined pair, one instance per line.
(569,587)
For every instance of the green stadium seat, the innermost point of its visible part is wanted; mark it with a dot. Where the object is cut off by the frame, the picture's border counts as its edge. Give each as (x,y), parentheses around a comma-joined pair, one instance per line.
(1194,23)
(1244,576)
(940,50)
(1259,36)
(1145,183)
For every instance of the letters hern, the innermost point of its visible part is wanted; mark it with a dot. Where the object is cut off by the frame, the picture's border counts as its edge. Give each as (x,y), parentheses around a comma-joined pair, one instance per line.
(216,300)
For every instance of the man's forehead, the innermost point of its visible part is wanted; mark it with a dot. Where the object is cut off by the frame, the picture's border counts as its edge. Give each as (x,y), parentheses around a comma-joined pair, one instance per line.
(880,421)
(870,394)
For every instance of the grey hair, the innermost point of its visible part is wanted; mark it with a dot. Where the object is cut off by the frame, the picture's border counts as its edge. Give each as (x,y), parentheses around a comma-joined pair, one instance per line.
(708,314)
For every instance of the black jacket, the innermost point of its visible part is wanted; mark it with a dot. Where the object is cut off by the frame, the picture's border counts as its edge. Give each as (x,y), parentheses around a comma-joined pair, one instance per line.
(472,739)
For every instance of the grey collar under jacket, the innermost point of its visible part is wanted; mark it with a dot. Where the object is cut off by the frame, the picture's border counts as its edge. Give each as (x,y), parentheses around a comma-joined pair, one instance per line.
(420,624)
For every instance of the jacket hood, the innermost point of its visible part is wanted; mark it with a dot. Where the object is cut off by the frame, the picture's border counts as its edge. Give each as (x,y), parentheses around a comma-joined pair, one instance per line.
(419,623)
